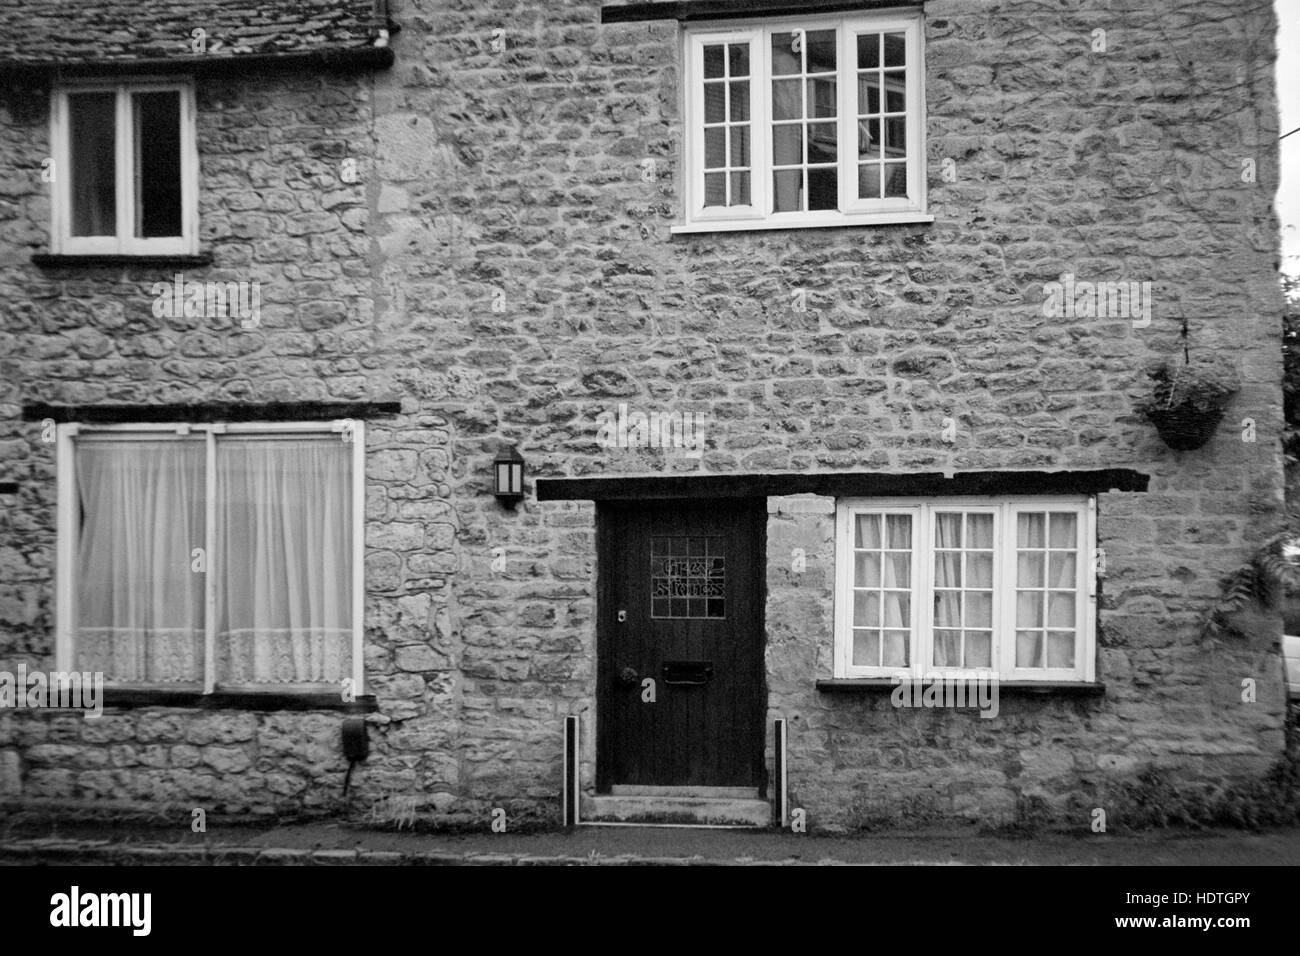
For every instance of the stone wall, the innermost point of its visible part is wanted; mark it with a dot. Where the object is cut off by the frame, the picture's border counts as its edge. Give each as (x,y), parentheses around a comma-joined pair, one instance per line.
(503,268)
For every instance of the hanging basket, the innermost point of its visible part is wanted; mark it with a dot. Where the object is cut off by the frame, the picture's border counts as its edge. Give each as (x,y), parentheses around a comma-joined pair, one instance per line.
(1185,427)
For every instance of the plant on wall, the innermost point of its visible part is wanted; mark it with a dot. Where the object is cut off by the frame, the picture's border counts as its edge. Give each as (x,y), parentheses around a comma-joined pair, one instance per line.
(1262,582)
(1187,402)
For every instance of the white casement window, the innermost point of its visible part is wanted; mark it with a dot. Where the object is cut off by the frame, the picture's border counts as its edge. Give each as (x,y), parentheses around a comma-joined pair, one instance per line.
(966,585)
(805,122)
(212,557)
(125,173)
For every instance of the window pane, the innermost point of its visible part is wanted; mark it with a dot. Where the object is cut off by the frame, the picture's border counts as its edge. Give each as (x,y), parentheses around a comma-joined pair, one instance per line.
(1060,609)
(895,49)
(947,530)
(787,145)
(979,570)
(896,92)
(1029,530)
(139,598)
(868,532)
(739,57)
(895,649)
(740,146)
(979,649)
(739,102)
(91,142)
(715,102)
(787,100)
(283,560)
(740,189)
(713,68)
(821,98)
(900,532)
(786,57)
(869,181)
(823,189)
(869,139)
(895,179)
(715,189)
(157,163)
(898,609)
(1029,609)
(895,138)
(867,573)
(979,609)
(821,143)
(1060,649)
(1029,648)
(866,609)
(1062,570)
(715,148)
(866,648)
(869,93)
(788,189)
(1029,569)
(898,571)
(869,50)
(821,51)
(1064,526)
(947,648)
(947,569)
(979,531)
(947,609)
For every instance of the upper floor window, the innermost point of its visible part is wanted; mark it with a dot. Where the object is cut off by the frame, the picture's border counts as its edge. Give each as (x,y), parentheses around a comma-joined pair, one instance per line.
(966,585)
(125,169)
(805,122)
(211,557)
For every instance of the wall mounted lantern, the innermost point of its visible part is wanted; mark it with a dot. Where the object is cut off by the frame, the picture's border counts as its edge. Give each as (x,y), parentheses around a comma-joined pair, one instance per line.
(508,477)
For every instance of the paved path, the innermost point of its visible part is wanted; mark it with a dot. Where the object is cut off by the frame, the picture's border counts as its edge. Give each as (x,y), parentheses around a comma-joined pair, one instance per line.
(324,843)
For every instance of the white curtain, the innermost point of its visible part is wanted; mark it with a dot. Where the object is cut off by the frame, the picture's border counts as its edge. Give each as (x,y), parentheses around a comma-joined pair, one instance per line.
(139,603)
(283,560)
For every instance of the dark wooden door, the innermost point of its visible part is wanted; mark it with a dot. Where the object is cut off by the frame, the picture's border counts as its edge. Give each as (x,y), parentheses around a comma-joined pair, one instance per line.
(681,603)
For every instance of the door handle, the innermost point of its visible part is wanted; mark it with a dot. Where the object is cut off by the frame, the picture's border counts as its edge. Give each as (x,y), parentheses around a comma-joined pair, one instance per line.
(628,676)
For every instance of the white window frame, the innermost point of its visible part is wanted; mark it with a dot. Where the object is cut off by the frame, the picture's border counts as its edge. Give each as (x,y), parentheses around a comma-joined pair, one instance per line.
(62,242)
(65,574)
(760,213)
(1004,576)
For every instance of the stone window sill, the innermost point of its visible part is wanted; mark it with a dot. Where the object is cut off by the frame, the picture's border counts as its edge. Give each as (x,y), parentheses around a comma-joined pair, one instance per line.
(129,697)
(52,260)
(885,685)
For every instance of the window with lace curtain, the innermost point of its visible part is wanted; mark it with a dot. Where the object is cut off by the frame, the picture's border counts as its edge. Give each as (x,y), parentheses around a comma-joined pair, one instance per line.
(213,556)
(966,585)
(805,122)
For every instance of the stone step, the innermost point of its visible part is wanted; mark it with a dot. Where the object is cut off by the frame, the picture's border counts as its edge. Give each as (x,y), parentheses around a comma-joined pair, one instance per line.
(677,810)
(703,793)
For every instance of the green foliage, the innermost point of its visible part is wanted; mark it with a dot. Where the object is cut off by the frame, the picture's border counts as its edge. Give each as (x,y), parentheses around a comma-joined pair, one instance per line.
(1155,799)
(1291,364)
(1261,582)
(1201,384)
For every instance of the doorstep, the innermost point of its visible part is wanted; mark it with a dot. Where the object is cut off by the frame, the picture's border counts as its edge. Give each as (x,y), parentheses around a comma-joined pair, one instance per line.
(678,806)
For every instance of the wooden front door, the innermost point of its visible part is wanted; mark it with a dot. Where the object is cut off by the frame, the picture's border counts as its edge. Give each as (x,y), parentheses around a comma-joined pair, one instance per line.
(681,604)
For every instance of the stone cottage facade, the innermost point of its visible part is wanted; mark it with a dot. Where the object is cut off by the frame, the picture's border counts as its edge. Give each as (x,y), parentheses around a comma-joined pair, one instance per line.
(800,419)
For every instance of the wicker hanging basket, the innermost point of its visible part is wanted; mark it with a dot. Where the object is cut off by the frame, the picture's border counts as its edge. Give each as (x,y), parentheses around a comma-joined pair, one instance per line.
(1185,427)
(1188,403)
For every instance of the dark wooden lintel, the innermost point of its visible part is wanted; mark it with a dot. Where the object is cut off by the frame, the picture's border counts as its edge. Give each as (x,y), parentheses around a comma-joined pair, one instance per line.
(210,412)
(698,10)
(842,484)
